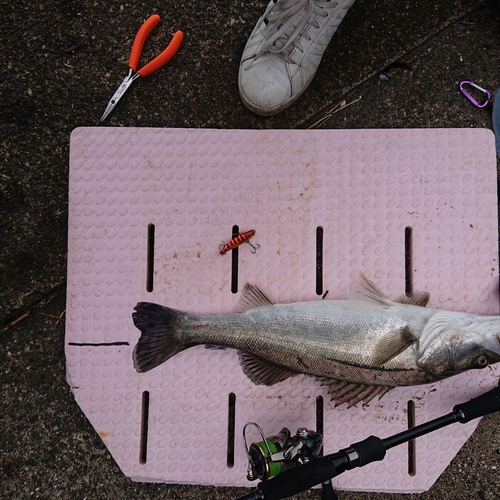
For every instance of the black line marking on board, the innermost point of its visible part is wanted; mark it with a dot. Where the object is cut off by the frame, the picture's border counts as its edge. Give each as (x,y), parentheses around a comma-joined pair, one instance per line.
(234,262)
(319,260)
(412,455)
(150,263)
(101,344)
(408,261)
(320,419)
(143,446)
(231,425)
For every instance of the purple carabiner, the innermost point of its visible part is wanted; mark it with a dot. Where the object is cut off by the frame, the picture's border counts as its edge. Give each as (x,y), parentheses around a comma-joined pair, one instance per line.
(469,96)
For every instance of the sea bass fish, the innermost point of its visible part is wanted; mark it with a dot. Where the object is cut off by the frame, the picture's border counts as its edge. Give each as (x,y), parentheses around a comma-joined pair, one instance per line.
(359,348)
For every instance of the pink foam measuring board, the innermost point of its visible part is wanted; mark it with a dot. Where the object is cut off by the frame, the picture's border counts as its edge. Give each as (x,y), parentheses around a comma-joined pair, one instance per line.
(364,188)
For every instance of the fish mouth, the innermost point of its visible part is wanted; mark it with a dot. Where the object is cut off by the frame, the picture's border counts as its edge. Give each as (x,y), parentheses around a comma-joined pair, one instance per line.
(492,345)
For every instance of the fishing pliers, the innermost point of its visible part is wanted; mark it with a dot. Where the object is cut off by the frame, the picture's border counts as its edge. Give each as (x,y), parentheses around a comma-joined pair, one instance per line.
(149,68)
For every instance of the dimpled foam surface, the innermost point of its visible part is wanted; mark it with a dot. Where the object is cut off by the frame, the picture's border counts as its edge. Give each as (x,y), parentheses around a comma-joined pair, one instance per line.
(363,187)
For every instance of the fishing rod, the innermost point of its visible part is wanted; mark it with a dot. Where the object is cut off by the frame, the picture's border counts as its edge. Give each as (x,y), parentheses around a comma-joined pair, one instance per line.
(321,470)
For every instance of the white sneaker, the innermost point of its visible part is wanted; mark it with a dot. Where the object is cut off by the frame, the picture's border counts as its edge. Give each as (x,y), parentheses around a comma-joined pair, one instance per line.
(284,51)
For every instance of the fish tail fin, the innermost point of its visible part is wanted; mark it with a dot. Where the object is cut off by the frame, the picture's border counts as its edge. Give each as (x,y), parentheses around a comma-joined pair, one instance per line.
(160,340)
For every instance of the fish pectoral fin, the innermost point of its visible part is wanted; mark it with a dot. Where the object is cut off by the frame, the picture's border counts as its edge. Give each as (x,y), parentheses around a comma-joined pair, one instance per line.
(364,289)
(252,297)
(392,344)
(416,299)
(262,372)
(352,393)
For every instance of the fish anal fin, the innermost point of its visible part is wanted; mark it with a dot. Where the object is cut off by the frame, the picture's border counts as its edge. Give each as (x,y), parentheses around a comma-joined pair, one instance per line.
(252,297)
(352,393)
(392,344)
(262,372)
(364,289)
(416,298)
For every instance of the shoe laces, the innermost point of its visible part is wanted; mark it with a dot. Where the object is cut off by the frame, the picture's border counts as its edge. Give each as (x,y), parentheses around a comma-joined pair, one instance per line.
(287,21)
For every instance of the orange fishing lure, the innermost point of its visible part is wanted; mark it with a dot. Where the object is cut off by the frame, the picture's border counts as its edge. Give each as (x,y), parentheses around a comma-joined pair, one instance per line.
(239,240)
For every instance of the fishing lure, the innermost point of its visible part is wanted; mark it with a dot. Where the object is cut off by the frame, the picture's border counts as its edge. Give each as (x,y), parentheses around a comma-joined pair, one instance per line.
(239,240)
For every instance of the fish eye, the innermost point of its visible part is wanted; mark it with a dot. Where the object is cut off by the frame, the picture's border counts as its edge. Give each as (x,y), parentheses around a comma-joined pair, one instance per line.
(482,361)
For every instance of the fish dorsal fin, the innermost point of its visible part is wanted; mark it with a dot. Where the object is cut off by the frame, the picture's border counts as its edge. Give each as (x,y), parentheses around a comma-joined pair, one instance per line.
(415,299)
(352,393)
(262,372)
(252,297)
(392,344)
(364,289)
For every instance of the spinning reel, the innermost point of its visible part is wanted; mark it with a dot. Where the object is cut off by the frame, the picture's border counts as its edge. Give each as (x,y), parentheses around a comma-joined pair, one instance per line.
(281,452)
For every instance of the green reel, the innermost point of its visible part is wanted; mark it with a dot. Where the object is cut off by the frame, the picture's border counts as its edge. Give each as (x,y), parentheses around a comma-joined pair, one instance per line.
(275,454)
(260,454)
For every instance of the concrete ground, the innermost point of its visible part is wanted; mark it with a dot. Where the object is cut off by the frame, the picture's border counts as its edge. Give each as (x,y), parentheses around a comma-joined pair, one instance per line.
(61,62)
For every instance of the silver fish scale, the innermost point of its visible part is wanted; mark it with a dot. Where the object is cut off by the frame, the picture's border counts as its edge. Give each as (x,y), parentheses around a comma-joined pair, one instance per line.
(321,338)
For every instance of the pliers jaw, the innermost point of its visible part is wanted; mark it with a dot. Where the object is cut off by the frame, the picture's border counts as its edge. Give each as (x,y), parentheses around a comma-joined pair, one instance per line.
(127,81)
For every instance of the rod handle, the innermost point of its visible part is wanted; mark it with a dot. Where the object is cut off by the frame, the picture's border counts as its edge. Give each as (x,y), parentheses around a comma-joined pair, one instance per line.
(369,450)
(485,404)
(293,481)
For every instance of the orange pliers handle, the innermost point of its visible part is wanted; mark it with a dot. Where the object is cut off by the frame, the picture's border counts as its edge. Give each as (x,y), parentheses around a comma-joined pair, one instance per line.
(135,54)
(158,61)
